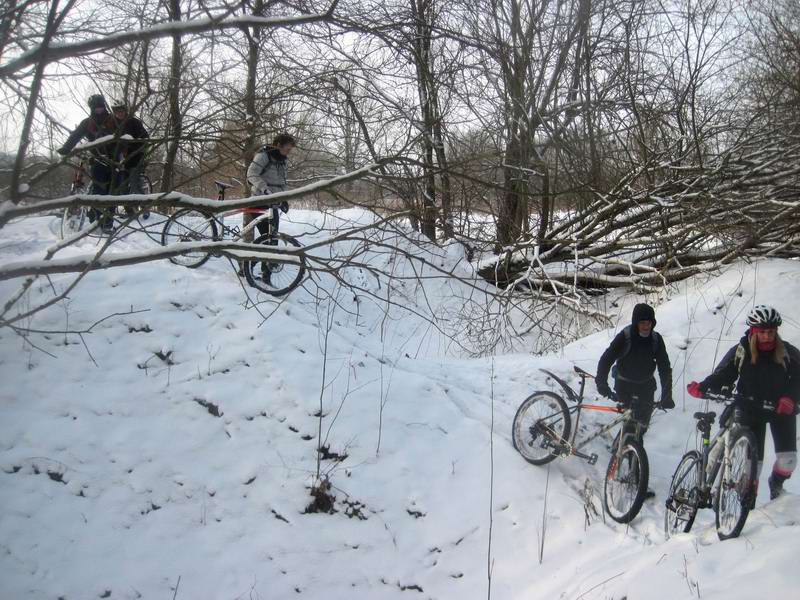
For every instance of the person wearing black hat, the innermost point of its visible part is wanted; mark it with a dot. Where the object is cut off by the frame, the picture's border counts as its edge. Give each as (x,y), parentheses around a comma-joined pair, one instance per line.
(636,352)
(97,125)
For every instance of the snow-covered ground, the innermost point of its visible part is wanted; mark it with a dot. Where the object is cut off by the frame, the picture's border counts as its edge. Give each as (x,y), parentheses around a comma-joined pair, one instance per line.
(177,446)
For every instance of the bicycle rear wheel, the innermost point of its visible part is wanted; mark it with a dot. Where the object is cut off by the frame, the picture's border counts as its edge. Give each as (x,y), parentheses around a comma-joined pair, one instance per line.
(189,225)
(275,278)
(683,497)
(736,490)
(626,482)
(542,422)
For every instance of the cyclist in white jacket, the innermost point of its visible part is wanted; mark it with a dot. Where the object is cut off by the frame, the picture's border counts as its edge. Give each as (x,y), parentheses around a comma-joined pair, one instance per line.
(267,174)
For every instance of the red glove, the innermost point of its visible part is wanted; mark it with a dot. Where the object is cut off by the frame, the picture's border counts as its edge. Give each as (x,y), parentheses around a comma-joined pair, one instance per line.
(694,390)
(785,406)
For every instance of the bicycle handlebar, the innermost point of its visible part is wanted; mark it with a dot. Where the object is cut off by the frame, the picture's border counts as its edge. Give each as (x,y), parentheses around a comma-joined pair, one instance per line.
(723,398)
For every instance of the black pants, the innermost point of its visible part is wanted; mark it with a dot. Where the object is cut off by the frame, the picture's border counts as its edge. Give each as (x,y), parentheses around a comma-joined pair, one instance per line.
(640,399)
(263,226)
(782,427)
(101,175)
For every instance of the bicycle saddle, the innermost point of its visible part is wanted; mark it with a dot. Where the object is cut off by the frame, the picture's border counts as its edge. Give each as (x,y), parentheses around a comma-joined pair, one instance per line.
(223,185)
(705,416)
(583,373)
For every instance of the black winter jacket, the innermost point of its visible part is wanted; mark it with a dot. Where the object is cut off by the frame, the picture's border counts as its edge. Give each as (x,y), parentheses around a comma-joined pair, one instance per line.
(635,368)
(91,129)
(130,152)
(766,381)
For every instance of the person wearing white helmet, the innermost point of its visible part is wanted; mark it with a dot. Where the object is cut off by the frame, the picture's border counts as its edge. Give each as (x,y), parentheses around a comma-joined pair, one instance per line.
(766,370)
(131,137)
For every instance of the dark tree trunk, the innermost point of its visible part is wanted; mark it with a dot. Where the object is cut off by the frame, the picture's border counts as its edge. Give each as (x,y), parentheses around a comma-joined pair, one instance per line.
(420,10)
(253,35)
(175,121)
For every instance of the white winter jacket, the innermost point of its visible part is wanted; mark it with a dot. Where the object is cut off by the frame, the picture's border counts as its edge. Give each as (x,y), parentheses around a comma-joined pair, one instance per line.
(267,173)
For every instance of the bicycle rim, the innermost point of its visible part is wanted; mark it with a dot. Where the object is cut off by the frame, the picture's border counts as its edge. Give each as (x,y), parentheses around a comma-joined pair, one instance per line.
(682,499)
(189,225)
(275,279)
(541,420)
(626,483)
(737,485)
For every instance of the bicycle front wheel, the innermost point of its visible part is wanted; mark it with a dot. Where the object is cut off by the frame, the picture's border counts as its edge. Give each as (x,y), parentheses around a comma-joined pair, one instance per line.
(736,490)
(189,225)
(73,220)
(541,425)
(275,278)
(626,482)
(683,497)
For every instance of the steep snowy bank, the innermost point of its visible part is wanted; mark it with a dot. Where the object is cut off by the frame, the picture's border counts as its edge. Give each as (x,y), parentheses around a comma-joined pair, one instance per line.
(187,450)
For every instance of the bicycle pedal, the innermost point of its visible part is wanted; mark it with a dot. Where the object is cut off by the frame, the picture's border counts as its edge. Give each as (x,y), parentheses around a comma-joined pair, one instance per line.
(592,459)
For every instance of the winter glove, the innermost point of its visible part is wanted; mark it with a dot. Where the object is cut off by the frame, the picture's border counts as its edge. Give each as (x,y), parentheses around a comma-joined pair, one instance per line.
(694,390)
(284,206)
(604,390)
(785,406)
(667,403)
(62,151)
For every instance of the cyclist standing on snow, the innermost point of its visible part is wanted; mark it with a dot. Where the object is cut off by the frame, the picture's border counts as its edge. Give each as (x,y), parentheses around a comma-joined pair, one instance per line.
(129,152)
(636,351)
(99,124)
(267,175)
(766,370)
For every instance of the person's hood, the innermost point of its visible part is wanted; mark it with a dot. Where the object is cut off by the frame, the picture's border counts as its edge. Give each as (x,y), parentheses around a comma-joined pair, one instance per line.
(643,312)
(275,154)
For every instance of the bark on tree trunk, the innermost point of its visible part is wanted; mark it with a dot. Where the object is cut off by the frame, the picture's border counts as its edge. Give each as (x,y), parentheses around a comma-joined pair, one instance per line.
(33,98)
(422,57)
(175,123)
(253,35)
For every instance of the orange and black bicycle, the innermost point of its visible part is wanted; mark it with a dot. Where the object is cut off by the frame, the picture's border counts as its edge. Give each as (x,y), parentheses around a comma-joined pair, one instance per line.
(543,431)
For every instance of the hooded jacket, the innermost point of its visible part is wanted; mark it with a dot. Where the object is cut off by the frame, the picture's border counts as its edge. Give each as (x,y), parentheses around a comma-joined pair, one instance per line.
(636,357)
(267,173)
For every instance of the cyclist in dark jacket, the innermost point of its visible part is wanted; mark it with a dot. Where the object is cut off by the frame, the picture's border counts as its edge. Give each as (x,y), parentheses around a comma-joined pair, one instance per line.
(637,351)
(766,370)
(98,125)
(129,151)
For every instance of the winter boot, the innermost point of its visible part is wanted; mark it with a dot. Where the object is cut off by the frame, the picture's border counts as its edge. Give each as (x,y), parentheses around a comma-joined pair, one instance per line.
(775,482)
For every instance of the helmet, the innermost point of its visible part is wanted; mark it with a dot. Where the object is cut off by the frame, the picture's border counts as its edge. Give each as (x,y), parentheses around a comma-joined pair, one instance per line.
(96,101)
(119,103)
(764,316)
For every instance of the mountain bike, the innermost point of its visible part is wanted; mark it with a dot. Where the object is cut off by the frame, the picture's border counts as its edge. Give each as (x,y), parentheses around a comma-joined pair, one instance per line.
(79,218)
(724,476)
(542,431)
(194,225)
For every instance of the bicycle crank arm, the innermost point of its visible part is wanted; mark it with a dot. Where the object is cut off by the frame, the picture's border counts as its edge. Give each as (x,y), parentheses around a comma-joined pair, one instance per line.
(560,449)
(567,449)
(590,458)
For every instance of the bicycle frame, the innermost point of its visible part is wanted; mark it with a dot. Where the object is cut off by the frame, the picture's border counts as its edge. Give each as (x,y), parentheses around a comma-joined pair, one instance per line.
(77,179)
(625,415)
(235,231)
(710,471)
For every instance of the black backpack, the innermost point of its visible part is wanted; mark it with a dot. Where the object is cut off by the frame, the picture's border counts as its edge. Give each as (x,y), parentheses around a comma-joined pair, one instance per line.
(627,332)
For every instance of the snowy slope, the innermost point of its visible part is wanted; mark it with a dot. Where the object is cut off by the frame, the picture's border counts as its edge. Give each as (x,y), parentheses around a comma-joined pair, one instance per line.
(188,449)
